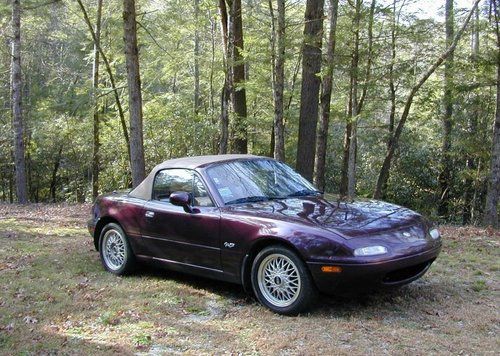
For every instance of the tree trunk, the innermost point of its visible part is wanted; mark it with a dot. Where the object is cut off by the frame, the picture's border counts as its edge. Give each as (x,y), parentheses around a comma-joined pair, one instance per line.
(293,84)
(369,60)
(351,162)
(386,165)
(278,59)
(111,79)
(470,163)
(240,141)
(95,87)
(16,96)
(226,88)
(134,92)
(348,170)
(446,161)
(213,118)
(326,95)
(309,94)
(53,181)
(197,102)
(392,90)
(492,196)
(11,190)
(392,87)
(345,152)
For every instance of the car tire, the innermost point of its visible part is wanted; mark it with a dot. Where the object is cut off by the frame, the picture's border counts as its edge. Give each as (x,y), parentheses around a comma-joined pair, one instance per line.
(115,252)
(281,281)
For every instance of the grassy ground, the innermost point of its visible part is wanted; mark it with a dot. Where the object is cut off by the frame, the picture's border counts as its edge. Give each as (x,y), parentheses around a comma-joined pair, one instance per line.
(56,298)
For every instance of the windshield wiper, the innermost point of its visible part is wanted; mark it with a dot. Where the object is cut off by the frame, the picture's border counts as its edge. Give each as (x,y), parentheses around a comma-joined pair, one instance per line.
(304,192)
(251,199)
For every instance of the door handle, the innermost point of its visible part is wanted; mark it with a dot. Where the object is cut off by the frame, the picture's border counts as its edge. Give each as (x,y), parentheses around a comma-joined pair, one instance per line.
(149,214)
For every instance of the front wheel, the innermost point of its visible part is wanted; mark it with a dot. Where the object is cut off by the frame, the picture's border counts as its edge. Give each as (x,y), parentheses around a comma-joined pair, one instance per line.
(281,281)
(116,255)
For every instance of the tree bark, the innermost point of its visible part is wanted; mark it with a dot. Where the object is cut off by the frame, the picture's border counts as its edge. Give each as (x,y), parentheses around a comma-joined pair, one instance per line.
(16,98)
(309,94)
(383,176)
(326,95)
(240,140)
(492,196)
(444,178)
(95,88)
(278,59)
(226,88)
(134,92)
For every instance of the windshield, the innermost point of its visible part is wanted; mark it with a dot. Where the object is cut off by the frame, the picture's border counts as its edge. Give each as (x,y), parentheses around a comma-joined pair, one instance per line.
(258,180)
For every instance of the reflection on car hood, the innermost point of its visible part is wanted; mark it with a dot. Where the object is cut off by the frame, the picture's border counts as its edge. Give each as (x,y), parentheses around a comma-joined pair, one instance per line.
(350,218)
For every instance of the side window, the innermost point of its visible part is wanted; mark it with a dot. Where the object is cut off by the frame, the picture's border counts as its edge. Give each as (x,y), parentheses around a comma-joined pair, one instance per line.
(172,180)
(200,194)
(180,180)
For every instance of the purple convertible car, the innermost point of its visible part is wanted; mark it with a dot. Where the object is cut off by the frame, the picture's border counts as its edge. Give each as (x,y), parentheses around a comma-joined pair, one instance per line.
(254,221)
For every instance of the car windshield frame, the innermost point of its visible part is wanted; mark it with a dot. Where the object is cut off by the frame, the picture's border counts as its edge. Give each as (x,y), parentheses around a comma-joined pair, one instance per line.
(255,180)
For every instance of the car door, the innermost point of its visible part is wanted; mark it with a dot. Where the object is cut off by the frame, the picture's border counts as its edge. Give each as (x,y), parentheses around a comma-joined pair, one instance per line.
(174,235)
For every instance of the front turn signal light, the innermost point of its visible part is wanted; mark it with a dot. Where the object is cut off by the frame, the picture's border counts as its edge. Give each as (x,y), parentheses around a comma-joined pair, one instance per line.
(331,269)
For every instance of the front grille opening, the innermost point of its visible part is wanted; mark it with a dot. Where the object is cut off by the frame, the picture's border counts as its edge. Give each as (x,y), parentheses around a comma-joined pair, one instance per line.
(406,273)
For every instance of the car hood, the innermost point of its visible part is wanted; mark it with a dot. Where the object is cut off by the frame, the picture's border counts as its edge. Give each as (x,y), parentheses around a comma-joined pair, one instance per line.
(348,218)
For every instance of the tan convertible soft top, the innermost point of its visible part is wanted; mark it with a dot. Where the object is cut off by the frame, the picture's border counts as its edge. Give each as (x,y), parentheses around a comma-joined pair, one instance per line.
(144,190)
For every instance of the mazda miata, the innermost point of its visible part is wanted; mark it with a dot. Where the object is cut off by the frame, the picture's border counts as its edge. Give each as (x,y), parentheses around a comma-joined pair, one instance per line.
(255,221)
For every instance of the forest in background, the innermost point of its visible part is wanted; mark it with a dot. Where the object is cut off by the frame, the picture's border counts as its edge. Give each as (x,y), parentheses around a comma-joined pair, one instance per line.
(363,97)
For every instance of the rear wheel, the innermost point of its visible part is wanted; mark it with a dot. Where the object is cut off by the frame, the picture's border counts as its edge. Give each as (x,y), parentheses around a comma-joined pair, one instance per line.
(281,281)
(116,255)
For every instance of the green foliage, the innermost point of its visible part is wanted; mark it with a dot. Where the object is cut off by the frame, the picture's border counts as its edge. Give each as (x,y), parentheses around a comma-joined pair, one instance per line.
(57,68)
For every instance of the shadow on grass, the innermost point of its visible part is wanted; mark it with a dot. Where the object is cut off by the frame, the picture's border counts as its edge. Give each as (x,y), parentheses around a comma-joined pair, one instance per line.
(224,289)
(405,299)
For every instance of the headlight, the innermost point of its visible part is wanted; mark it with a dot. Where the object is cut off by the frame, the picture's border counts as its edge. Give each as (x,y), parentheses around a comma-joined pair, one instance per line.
(370,251)
(434,234)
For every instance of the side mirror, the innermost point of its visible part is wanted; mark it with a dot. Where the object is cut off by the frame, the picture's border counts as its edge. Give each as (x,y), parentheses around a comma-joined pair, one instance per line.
(181,199)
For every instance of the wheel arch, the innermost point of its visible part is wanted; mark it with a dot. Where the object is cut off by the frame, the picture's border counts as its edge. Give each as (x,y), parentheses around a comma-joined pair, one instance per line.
(257,246)
(105,220)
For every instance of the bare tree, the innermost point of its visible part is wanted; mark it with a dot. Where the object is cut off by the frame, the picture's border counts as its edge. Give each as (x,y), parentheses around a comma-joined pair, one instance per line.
(16,99)
(326,95)
(309,93)
(134,92)
(493,194)
(383,176)
(95,87)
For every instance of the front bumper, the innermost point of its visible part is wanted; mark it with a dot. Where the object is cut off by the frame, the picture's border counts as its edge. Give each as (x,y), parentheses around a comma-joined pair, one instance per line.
(366,276)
